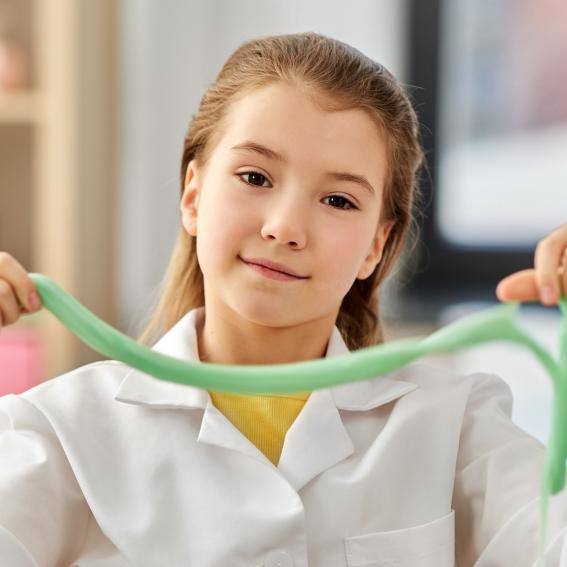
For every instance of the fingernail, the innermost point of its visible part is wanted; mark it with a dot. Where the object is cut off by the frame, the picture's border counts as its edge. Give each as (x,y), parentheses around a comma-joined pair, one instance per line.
(548,294)
(34,300)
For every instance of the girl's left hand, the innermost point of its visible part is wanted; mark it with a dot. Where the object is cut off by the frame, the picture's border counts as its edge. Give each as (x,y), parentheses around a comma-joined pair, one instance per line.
(548,280)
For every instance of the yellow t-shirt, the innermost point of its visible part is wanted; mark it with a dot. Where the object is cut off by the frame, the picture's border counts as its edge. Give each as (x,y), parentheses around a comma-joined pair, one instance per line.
(263,419)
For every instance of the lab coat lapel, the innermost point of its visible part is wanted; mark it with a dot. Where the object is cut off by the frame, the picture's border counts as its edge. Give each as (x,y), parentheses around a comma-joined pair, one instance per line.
(143,389)
(217,430)
(140,388)
(318,439)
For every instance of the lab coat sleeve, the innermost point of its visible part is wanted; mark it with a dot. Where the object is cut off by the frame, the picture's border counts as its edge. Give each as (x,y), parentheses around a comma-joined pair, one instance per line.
(497,487)
(43,515)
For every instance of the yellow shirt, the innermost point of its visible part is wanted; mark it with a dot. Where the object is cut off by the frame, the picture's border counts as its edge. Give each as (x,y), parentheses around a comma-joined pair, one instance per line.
(261,418)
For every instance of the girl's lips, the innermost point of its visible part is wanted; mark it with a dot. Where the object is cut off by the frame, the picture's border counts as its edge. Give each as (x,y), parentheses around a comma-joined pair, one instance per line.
(272,274)
(276,266)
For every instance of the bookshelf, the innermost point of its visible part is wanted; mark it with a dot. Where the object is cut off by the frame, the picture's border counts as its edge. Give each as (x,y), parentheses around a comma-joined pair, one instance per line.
(58,161)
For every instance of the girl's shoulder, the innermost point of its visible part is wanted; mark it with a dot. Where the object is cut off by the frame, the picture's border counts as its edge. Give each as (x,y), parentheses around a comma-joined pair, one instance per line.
(83,388)
(436,377)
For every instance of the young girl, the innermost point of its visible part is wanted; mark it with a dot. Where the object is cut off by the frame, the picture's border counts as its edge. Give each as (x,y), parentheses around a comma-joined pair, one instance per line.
(298,181)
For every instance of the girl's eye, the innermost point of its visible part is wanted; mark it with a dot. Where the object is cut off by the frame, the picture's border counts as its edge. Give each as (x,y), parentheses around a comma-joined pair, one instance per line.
(342,200)
(255,175)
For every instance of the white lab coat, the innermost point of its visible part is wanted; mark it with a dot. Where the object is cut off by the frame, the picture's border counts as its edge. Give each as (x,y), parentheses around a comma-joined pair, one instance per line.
(106,466)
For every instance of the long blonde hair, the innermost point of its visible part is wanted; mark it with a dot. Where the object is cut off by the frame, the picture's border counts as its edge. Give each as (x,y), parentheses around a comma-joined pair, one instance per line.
(340,77)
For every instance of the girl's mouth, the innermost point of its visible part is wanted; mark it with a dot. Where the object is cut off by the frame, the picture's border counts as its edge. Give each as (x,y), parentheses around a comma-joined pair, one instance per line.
(272,274)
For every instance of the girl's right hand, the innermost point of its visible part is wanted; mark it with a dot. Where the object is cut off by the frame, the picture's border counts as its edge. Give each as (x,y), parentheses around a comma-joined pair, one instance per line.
(17,291)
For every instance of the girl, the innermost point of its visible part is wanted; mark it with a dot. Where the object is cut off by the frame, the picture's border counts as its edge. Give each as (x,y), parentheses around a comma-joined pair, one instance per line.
(298,182)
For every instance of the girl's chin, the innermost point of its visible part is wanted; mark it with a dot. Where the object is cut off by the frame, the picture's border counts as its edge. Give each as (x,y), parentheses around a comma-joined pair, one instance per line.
(263,312)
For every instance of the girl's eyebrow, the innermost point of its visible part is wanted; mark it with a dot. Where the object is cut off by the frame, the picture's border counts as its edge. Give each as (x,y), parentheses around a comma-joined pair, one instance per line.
(251,146)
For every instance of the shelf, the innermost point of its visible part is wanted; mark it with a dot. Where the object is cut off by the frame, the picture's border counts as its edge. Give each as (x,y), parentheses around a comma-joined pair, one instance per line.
(58,164)
(20,107)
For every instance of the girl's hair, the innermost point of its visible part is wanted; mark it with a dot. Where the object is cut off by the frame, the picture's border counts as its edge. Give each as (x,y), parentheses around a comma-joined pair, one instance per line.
(337,77)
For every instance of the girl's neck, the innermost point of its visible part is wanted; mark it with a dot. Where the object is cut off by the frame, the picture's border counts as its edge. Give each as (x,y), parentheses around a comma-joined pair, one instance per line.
(222,342)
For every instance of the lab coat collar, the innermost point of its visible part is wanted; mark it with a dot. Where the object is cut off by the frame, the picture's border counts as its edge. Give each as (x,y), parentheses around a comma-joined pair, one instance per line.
(181,342)
(317,439)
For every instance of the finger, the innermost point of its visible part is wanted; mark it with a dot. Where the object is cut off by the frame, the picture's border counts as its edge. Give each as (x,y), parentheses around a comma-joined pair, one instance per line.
(13,272)
(10,308)
(522,286)
(548,258)
(519,286)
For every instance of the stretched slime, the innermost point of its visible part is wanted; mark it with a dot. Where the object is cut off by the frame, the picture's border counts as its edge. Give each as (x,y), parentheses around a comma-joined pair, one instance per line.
(498,323)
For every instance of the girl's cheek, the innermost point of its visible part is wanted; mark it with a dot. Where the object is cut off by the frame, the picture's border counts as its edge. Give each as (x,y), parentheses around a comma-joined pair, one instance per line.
(347,249)
(225,209)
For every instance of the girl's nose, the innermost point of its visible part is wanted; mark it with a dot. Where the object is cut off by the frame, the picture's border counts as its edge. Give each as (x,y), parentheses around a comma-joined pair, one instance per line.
(284,224)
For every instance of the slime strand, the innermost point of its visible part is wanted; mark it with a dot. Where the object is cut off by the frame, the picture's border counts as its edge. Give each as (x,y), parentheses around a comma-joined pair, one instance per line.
(494,324)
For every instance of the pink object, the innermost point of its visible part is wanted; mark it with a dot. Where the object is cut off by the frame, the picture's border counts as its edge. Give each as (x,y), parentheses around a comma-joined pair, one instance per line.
(21,360)
(13,67)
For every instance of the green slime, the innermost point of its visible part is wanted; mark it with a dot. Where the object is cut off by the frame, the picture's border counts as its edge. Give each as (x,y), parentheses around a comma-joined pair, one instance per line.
(498,323)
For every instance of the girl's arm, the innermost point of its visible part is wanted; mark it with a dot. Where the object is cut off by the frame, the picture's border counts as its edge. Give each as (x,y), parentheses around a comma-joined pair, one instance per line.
(498,474)
(497,487)
(547,280)
(43,513)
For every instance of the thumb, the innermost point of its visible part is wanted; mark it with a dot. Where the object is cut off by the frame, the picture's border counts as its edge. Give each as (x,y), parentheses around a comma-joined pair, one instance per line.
(519,286)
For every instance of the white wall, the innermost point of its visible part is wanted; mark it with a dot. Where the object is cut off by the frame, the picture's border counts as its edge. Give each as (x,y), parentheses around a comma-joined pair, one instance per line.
(169,57)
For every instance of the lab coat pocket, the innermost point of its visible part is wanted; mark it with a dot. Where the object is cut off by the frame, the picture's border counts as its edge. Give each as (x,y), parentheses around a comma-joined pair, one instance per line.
(427,545)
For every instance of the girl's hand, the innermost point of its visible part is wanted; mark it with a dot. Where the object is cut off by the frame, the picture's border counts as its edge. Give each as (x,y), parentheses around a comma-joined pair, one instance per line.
(548,280)
(16,291)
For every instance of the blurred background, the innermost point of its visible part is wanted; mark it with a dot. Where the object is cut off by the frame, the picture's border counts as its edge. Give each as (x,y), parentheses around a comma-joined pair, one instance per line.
(95,99)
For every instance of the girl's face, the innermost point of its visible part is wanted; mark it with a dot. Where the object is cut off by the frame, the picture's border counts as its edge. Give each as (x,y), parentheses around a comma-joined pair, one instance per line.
(287,203)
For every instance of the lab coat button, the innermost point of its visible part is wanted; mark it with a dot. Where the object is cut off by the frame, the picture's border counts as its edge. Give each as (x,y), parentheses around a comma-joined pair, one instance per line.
(279,559)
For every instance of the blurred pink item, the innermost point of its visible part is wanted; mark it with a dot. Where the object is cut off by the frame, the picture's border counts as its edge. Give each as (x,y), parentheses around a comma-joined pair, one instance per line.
(13,67)
(21,360)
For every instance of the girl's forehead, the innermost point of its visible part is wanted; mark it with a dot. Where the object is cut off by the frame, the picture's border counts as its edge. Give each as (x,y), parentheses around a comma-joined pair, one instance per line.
(285,117)
(281,102)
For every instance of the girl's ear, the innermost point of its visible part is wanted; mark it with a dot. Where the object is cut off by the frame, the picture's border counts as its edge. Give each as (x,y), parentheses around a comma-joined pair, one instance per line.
(190,200)
(377,248)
